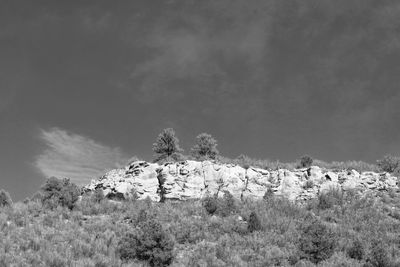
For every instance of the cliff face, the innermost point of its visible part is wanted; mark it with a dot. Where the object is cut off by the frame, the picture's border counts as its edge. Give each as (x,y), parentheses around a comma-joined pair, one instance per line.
(194,179)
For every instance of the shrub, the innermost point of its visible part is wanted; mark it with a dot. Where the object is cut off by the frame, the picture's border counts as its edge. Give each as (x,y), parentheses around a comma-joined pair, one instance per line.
(57,192)
(5,199)
(378,256)
(317,243)
(97,195)
(205,147)
(327,200)
(306,161)
(356,251)
(308,184)
(227,205)
(389,163)
(147,243)
(254,223)
(269,193)
(167,146)
(210,204)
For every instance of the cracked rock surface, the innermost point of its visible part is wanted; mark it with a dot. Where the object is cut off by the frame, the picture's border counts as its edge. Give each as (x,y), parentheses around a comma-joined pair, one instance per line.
(196,179)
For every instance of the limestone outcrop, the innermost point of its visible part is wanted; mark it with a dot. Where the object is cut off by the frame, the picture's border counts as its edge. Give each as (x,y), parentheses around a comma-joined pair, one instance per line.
(196,179)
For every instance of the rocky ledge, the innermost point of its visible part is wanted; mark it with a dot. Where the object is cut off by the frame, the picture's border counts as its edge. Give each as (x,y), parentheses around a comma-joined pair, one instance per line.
(196,179)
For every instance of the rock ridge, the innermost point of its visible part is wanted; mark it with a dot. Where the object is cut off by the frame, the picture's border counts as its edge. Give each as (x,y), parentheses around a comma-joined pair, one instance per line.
(195,179)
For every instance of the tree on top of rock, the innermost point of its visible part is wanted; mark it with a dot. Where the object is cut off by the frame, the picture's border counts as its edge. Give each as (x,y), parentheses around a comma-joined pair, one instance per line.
(166,146)
(205,147)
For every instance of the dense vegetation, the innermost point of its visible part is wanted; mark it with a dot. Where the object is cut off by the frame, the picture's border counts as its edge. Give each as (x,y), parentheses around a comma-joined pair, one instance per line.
(337,229)
(62,226)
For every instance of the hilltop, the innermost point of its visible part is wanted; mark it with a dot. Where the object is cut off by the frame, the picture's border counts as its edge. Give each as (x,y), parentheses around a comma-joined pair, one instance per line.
(197,179)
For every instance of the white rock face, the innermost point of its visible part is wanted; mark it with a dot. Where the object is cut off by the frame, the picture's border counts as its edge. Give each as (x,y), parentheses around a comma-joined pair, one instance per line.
(196,179)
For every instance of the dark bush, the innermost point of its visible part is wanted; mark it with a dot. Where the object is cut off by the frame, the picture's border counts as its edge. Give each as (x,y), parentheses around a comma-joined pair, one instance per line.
(356,251)
(149,242)
(210,204)
(389,163)
(5,199)
(306,161)
(57,192)
(205,147)
(254,223)
(317,242)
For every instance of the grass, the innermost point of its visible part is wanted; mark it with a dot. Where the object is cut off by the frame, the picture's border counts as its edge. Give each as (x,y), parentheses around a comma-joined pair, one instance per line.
(364,230)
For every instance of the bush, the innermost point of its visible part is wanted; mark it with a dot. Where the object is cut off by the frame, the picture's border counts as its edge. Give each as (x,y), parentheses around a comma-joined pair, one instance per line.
(227,205)
(57,192)
(317,243)
(147,243)
(5,199)
(389,163)
(205,147)
(254,223)
(210,204)
(356,251)
(97,195)
(327,200)
(378,256)
(306,161)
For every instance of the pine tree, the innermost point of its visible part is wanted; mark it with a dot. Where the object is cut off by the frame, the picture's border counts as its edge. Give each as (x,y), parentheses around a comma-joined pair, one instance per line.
(167,145)
(205,147)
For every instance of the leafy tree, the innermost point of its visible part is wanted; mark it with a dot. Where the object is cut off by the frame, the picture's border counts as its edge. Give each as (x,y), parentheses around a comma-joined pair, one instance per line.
(60,192)
(167,145)
(306,161)
(389,163)
(205,147)
(5,199)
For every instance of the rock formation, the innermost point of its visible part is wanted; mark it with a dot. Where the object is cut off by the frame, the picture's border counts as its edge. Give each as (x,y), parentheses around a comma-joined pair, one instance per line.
(196,179)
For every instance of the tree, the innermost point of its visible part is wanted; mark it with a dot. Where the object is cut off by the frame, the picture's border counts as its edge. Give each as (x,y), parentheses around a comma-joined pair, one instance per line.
(60,192)
(167,145)
(389,163)
(5,199)
(205,147)
(306,161)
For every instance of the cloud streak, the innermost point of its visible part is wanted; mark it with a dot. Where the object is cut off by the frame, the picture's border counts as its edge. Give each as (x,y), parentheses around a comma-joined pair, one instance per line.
(74,156)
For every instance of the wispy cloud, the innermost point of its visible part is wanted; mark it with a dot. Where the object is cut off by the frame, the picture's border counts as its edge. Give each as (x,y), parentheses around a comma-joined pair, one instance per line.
(75,156)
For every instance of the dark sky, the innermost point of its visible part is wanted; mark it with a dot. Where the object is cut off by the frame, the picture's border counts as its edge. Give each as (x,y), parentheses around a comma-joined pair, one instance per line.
(85,85)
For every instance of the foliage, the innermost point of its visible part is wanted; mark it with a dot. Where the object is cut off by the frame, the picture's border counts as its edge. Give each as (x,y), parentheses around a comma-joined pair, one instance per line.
(389,163)
(167,145)
(210,204)
(306,161)
(60,192)
(254,223)
(149,242)
(205,147)
(356,251)
(327,200)
(98,195)
(378,256)
(317,242)
(92,233)
(5,199)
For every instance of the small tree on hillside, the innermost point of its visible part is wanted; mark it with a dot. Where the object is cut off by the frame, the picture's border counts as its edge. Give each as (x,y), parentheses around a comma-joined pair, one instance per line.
(389,163)
(167,145)
(5,199)
(306,161)
(205,147)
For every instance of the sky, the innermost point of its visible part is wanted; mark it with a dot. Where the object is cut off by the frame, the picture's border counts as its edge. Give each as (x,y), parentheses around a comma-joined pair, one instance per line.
(87,85)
